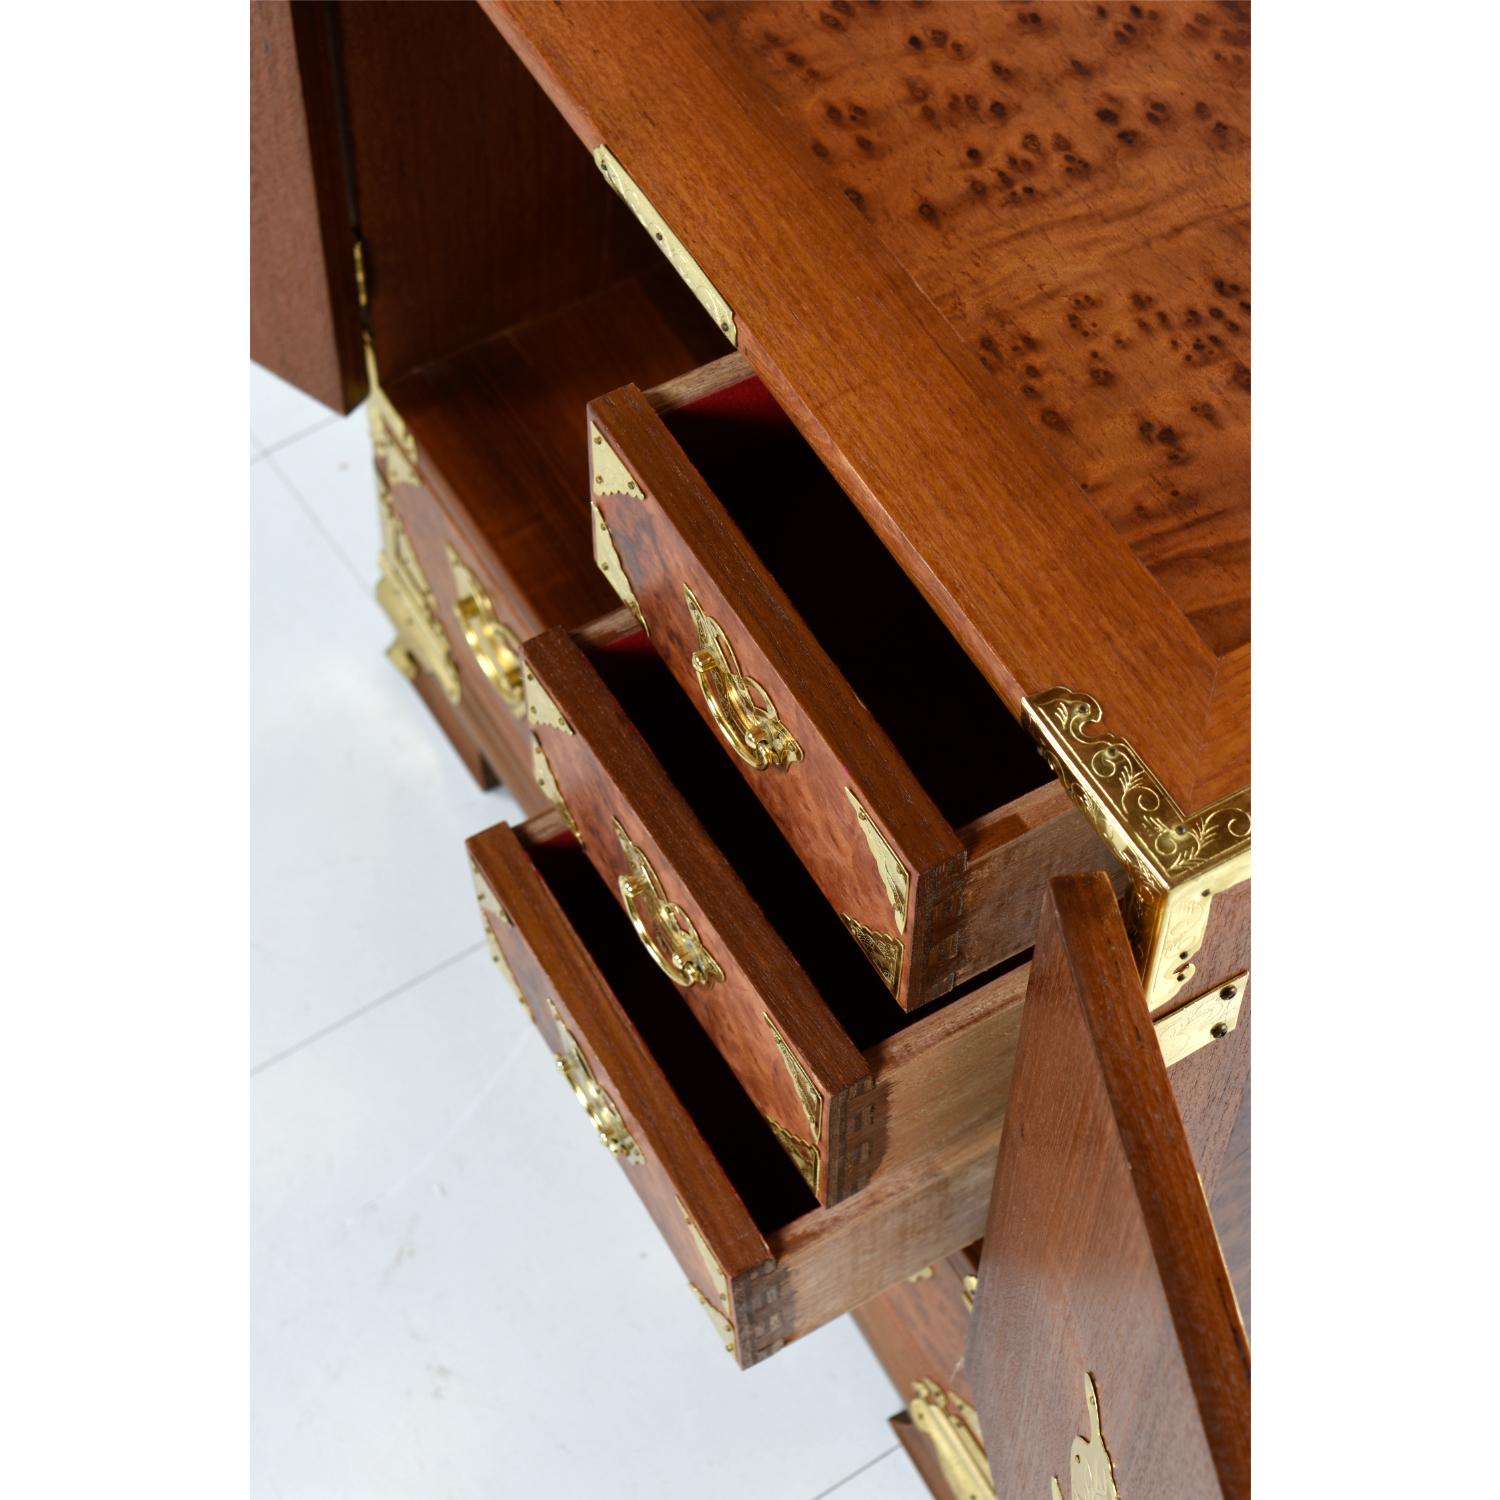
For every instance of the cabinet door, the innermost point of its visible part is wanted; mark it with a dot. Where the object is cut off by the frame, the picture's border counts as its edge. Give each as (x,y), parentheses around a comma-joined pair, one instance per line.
(304,315)
(1106,1351)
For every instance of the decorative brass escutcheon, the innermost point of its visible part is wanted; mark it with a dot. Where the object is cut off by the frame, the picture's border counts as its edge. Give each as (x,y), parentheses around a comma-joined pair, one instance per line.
(740,707)
(496,647)
(597,1104)
(665,930)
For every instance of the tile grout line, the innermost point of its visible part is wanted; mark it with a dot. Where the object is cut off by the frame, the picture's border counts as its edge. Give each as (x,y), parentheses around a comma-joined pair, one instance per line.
(364,584)
(862,1469)
(365,1009)
(301,433)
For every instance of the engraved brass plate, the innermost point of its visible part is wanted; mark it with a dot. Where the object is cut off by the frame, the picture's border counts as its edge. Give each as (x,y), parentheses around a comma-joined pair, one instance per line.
(489,906)
(807,1091)
(597,1104)
(883,950)
(1209,1018)
(665,930)
(1177,861)
(952,1426)
(607,560)
(1093,1475)
(893,874)
(804,1154)
(495,646)
(403,594)
(541,770)
(540,709)
(739,706)
(672,247)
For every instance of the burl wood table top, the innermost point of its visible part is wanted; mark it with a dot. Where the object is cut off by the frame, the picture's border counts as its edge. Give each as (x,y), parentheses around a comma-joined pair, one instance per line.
(994,260)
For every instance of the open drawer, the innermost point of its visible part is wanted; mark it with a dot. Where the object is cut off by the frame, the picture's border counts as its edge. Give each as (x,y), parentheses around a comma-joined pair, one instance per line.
(722,906)
(768,1262)
(906,787)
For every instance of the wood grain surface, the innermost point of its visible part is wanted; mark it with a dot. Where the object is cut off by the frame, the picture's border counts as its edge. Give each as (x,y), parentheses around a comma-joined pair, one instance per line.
(607,774)
(917,1329)
(976,499)
(304,324)
(679,1167)
(1100,1253)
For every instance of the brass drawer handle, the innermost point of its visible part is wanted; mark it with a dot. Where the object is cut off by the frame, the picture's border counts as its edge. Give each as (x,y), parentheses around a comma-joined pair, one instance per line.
(495,645)
(740,706)
(665,930)
(597,1105)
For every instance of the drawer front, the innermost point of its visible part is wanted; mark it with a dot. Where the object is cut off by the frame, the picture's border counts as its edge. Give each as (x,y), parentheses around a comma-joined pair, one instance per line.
(465,613)
(697,923)
(622,1090)
(870,835)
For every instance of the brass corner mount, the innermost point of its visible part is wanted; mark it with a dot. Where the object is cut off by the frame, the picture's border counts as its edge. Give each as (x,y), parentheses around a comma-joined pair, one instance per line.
(1178,861)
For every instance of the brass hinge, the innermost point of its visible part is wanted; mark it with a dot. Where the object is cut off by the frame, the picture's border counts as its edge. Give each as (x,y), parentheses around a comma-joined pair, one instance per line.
(668,243)
(1178,862)
(1209,1018)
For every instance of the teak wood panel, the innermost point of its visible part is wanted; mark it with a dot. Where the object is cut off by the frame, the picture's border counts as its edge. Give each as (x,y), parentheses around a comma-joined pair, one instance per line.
(975,890)
(678,1174)
(608,775)
(304,324)
(1029,572)
(1100,1255)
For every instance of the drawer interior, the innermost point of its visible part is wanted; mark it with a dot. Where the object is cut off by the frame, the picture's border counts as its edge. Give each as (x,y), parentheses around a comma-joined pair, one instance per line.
(749,838)
(951,728)
(767,1182)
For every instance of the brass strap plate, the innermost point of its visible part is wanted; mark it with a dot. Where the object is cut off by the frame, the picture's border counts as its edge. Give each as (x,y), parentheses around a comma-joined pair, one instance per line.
(893,874)
(402,592)
(807,1091)
(952,1426)
(1178,862)
(668,243)
(541,770)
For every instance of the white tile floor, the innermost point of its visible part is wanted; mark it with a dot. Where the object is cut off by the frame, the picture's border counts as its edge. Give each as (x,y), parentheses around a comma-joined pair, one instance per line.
(454,1293)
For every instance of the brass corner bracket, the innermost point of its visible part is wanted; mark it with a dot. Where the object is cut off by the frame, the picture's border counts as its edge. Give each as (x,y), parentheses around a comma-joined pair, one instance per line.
(403,593)
(1178,861)
(667,242)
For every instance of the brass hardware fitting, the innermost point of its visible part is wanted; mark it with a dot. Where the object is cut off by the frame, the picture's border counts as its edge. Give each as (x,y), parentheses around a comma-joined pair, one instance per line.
(805,1156)
(1093,1475)
(883,950)
(719,1309)
(672,247)
(541,770)
(496,647)
(952,1426)
(597,1105)
(665,930)
(969,1290)
(925,1274)
(489,906)
(540,709)
(1178,862)
(807,1091)
(740,707)
(893,874)
(610,476)
(607,560)
(403,594)
(1209,1018)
